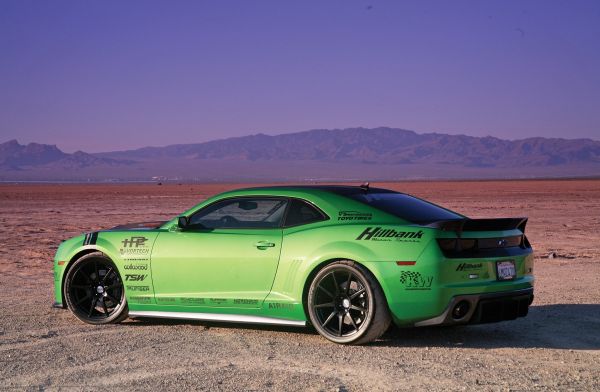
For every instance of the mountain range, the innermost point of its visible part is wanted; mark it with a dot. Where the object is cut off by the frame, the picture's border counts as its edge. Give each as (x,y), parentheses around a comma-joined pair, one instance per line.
(325,155)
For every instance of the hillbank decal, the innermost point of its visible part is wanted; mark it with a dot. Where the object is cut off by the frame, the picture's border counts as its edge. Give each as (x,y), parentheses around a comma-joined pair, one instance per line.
(379,234)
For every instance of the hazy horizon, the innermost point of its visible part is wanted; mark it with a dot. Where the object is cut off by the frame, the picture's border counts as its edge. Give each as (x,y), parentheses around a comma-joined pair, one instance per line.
(271,134)
(122,75)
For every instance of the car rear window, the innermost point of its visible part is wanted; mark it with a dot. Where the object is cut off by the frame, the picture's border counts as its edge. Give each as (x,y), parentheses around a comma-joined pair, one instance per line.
(302,213)
(406,207)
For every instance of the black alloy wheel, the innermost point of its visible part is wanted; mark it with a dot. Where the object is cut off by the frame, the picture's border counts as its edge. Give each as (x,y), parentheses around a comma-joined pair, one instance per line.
(346,304)
(94,290)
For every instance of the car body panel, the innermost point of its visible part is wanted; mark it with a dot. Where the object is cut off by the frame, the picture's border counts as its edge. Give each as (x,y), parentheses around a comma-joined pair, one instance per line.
(219,268)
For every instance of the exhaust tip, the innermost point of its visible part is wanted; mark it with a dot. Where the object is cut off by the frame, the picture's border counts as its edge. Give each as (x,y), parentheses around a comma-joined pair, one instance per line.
(460,310)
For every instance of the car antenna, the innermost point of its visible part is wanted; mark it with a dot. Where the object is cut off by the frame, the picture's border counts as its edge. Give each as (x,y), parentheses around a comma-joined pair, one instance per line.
(365,186)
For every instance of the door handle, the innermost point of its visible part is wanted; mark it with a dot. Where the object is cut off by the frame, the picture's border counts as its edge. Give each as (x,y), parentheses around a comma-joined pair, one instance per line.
(264,244)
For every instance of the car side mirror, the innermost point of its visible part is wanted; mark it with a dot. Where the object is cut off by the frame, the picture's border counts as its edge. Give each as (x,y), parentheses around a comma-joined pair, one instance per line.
(183,222)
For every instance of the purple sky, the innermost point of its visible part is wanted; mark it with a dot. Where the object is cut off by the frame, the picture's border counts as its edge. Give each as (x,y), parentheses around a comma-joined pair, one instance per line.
(111,75)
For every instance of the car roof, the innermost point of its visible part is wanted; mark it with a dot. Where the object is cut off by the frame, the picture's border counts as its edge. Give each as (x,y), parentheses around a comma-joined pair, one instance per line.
(337,189)
(327,196)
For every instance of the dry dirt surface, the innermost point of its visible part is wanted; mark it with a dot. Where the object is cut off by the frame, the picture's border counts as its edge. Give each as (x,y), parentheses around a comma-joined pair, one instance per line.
(556,347)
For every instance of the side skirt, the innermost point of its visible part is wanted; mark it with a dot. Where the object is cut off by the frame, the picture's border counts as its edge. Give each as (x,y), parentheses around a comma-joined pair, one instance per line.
(231,318)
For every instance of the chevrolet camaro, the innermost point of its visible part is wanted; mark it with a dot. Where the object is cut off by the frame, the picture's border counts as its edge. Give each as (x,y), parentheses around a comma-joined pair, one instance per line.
(348,260)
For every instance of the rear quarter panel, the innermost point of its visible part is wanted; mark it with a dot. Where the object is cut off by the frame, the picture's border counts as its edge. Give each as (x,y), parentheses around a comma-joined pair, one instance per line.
(305,249)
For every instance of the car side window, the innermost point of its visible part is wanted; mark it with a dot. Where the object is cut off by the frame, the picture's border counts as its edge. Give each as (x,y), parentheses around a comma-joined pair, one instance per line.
(241,213)
(301,213)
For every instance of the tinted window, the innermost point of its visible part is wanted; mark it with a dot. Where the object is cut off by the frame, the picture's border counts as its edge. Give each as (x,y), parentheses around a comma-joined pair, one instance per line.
(406,207)
(301,213)
(241,213)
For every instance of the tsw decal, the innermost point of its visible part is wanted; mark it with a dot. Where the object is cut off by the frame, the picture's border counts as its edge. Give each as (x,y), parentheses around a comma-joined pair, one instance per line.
(135,277)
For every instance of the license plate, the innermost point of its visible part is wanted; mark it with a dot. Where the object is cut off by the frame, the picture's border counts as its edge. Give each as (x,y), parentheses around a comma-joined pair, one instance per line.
(506,269)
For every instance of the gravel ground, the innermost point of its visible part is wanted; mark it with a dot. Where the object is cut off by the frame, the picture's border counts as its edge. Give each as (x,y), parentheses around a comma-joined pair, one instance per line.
(556,347)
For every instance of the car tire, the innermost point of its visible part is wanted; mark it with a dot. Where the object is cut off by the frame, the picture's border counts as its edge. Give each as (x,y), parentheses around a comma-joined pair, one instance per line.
(94,290)
(346,304)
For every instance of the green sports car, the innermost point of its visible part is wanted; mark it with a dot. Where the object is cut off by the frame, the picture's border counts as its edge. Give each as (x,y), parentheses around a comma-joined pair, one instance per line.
(349,260)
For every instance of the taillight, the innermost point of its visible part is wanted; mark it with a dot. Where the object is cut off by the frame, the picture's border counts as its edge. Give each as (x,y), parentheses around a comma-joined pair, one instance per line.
(468,244)
(447,243)
(476,244)
(451,244)
(503,242)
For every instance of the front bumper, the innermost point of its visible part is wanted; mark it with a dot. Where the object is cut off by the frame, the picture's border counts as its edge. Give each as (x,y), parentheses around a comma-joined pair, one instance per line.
(484,308)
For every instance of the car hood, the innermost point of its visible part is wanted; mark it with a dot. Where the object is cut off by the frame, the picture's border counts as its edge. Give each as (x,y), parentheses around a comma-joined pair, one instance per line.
(140,226)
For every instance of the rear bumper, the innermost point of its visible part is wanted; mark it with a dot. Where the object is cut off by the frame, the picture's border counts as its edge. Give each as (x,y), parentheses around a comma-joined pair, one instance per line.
(484,308)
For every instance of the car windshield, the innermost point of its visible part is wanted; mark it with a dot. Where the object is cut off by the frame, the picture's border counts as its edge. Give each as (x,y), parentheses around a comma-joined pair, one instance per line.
(406,207)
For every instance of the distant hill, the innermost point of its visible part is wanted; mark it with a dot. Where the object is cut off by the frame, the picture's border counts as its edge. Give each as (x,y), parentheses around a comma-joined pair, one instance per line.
(13,155)
(34,156)
(341,154)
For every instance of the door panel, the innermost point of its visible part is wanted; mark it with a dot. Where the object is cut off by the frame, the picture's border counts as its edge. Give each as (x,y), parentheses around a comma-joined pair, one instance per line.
(215,268)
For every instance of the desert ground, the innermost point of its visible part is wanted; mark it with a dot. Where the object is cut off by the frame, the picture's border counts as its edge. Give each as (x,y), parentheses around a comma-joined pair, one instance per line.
(556,347)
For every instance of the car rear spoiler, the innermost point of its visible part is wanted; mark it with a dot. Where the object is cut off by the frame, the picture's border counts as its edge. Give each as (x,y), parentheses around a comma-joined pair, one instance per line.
(496,224)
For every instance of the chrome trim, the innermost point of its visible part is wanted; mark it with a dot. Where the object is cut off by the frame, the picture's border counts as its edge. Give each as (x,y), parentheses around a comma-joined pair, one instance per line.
(233,318)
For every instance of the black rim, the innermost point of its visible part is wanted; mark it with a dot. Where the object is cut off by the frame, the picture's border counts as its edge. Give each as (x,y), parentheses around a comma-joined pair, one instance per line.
(96,290)
(340,303)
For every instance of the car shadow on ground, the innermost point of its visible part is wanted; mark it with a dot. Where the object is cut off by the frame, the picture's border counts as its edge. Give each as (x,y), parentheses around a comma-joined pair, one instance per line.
(560,326)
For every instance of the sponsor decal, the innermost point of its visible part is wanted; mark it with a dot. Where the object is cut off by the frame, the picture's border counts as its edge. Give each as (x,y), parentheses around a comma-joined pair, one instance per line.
(277,305)
(217,301)
(379,234)
(354,216)
(415,281)
(468,266)
(140,299)
(192,301)
(143,267)
(242,301)
(138,288)
(90,238)
(134,246)
(135,277)
(166,300)
(134,252)
(134,241)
